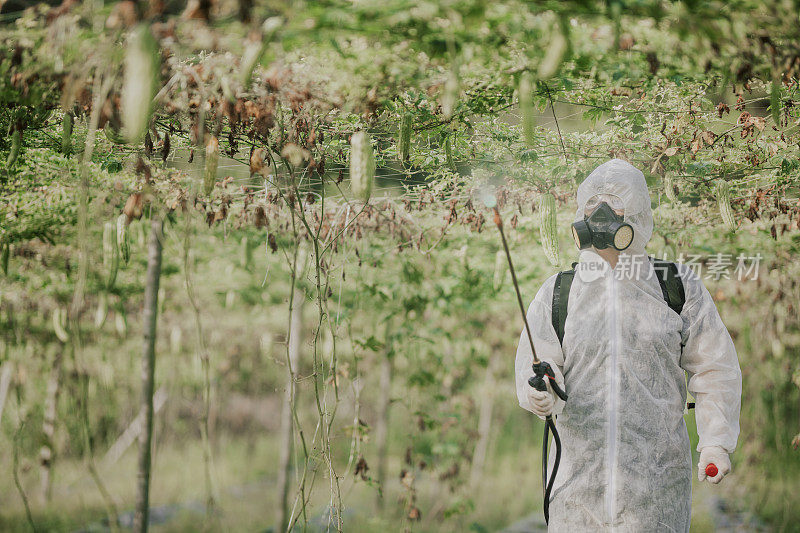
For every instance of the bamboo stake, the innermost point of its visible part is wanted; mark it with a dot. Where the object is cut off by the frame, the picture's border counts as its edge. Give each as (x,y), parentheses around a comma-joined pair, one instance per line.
(6,371)
(286,417)
(141,517)
(382,423)
(484,426)
(47,453)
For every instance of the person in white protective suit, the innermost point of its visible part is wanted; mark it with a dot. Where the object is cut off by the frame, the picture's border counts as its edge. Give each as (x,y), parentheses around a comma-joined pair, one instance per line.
(624,360)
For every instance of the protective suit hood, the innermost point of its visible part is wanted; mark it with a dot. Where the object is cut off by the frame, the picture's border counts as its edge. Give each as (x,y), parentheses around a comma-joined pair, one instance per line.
(621,179)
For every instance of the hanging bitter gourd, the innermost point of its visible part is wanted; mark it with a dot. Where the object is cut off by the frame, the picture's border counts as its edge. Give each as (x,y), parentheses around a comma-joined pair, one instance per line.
(121,321)
(404,137)
(559,44)
(452,88)
(5,253)
(254,49)
(110,253)
(212,162)
(448,152)
(527,115)
(724,203)
(60,324)
(499,270)
(66,132)
(140,82)
(247,252)
(176,340)
(775,98)
(362,165)
(102,310)
(122,238)
(547,228)
(669,186)
(16,143)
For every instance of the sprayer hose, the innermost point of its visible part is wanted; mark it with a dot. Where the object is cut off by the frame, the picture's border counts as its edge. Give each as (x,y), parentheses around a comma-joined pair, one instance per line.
(547,485)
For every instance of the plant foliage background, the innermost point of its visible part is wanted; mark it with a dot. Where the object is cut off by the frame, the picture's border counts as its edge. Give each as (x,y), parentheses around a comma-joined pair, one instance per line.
(334,350)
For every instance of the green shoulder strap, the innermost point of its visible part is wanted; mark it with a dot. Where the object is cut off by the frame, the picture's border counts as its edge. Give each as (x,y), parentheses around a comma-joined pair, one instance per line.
(668,279)
(560,300)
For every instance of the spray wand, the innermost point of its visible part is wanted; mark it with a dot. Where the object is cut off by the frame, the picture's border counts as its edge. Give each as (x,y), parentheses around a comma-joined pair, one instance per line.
(541,369)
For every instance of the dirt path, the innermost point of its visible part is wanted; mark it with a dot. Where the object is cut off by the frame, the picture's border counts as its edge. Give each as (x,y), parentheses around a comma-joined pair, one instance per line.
(723,517)
(533,523)
(727,519)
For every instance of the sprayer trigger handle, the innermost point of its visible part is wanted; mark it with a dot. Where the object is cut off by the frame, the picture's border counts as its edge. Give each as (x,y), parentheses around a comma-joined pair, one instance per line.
(537,383)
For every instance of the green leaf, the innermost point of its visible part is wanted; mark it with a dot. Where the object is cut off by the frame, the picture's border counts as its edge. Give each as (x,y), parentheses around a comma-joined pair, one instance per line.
(528,156)
(370,343)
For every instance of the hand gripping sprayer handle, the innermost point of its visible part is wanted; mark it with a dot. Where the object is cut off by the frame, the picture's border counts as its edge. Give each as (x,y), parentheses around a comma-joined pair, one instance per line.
(712,470)
(542,370)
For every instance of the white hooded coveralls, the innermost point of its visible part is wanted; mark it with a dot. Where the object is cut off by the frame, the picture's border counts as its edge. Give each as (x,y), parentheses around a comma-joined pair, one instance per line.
(626,462)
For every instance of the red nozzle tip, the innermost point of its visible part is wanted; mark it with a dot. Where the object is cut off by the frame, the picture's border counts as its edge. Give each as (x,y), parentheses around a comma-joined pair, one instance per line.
(711,470)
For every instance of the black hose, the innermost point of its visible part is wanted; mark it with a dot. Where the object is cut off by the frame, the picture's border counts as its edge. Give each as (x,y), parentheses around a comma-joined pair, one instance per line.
(545,441)
(542,370)
(547,485)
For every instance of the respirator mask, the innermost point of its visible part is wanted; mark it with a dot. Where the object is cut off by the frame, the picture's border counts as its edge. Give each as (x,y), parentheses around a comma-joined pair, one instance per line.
(603,228)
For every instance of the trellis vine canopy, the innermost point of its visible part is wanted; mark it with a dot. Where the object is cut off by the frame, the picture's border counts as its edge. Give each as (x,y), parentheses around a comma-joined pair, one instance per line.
(657,73)
(324,103)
